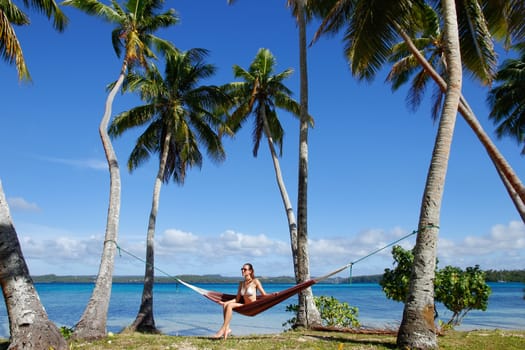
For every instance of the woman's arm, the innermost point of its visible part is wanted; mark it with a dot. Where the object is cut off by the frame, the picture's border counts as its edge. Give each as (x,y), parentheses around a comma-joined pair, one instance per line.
(259,286)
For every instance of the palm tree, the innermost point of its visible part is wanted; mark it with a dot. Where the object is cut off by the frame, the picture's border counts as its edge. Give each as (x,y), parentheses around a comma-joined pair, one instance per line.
(371,31)
(368,53)
(260,92)
(417,329)
(507,100)
(134,25)
(307,313)
(503,18)
(407,57)
(29,325)
(178,114)
(10,14)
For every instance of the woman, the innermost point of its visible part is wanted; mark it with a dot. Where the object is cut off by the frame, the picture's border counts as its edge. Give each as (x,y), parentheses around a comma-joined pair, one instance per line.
(246,293)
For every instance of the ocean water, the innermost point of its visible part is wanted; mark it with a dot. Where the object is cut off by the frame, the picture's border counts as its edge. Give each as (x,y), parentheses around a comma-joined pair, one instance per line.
(181,311)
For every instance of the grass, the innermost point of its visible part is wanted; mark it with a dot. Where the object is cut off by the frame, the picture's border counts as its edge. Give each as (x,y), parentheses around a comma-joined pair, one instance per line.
(472,340)
(315,340)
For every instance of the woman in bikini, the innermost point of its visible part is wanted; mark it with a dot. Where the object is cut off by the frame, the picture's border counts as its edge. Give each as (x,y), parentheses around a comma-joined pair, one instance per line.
(246,293)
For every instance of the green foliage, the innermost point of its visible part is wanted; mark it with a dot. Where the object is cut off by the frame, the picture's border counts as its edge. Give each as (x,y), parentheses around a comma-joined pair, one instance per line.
(333,312)
(459,291)
(66,332)
(395,281)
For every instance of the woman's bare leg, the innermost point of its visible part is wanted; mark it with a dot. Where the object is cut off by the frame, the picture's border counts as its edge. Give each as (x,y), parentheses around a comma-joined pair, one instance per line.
(225,330)
(227,319)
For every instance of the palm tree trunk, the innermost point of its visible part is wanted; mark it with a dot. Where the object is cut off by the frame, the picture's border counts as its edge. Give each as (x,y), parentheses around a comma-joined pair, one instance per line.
(29,324)
(92,324)
(145,321)
(292,224)
(502,166)
(520,206)
(307,313)
(417,329)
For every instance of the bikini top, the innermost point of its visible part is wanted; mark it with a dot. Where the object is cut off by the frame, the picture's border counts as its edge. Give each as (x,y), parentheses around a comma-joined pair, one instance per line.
(250,291)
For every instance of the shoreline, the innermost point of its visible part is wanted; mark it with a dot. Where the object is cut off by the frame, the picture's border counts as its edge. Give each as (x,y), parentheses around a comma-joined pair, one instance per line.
(201,279)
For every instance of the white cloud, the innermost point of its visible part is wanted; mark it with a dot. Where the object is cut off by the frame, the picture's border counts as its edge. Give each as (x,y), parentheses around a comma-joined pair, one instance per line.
(62,254)
(176,239)
(19,203)
(179,252)
(369,250)
(229,242)
(502,248)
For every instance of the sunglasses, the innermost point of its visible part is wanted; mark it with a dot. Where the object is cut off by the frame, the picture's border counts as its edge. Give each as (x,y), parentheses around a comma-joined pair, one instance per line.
(245,269)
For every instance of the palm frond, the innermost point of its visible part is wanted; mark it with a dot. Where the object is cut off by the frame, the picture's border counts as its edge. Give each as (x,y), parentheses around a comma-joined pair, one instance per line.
(145,146)
(372,32)
(179,112)
(51,10)
(258,128)
(477,48)
(98,9)
(507,100)
(10,48)
(135,117)
(438,98)
(335,19)
(417,89)
(276,130)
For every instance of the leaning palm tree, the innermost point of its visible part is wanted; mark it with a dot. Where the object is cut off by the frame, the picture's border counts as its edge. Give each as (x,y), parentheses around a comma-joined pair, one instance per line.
(430,44)
(179,115)
(503,18)
(132,36)
(507,100)
(29,324)
(366,55)
(371,32)
(10,14)
(260,92)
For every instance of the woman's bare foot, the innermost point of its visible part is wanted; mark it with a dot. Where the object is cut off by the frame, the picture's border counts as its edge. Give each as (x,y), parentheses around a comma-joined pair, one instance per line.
(227,333)
(219,334)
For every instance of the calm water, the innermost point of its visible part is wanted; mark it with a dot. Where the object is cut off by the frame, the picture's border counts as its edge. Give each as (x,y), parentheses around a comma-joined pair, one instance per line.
(180,311)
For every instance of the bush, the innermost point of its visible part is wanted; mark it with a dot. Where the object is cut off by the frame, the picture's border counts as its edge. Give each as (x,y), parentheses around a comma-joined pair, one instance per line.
(333,313)
(459,291)
(66,332)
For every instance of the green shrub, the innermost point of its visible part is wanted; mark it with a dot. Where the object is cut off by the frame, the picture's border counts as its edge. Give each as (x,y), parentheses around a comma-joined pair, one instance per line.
(333,313)
(66,332)
(459,290)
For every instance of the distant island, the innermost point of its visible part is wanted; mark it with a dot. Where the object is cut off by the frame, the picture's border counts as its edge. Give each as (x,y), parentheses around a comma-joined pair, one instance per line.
(491,276)
(195,279)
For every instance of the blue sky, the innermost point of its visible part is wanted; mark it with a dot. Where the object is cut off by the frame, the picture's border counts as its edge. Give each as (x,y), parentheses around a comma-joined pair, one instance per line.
(368,160)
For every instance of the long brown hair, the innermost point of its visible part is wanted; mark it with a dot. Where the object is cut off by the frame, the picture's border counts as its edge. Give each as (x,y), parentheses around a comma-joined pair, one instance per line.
(252,274)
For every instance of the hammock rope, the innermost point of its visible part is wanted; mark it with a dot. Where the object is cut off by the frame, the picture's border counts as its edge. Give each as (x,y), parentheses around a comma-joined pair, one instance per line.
(264,302)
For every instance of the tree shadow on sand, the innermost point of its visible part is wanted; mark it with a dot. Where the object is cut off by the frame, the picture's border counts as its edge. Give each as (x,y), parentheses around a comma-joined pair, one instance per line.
(371,340)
